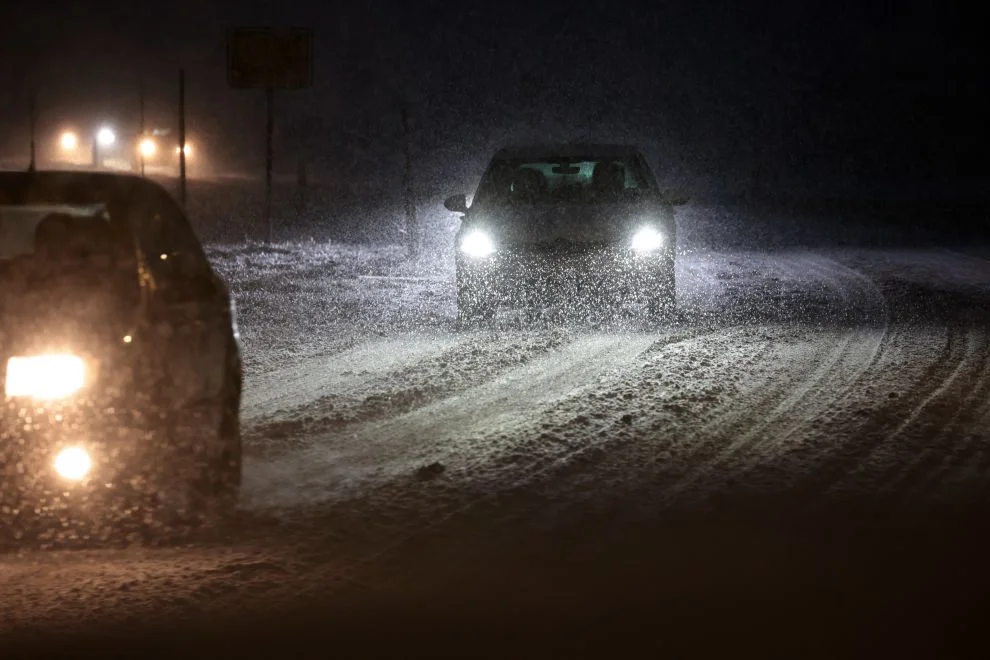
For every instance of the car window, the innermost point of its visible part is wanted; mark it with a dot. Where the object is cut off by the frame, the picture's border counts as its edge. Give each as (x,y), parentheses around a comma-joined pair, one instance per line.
(19,225)
(581,180)
(171,249)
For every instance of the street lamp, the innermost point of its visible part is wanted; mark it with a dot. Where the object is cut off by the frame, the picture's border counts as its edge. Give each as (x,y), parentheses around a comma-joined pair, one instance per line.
(147,148)
(105,137)
(69,141)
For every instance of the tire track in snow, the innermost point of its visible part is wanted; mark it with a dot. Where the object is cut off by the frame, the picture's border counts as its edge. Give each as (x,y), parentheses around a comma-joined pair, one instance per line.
(342,463)
(480,357)
(302,383)
(742,427)
(863,350)
(623,451)
(963,439)
(422,514)
(768,377)
(573,427)
(873,446)
(627,455)
(899,442)
(576,368)
(814,381)
(946,422)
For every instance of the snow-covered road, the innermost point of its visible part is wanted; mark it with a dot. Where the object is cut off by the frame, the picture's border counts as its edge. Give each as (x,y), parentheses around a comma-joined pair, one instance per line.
(394,460)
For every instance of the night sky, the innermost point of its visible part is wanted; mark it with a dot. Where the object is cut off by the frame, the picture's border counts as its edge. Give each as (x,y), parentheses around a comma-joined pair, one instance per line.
(721,94)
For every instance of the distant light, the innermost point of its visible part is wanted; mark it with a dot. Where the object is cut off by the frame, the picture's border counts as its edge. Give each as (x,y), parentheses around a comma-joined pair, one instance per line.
(69,141)
(128,339)
(105,137)
(147,147)
(187,149)
(163,256)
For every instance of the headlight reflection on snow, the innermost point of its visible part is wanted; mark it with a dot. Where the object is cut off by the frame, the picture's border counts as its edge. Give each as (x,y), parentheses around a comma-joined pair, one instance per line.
(45,377)
(477,244)
(73,463)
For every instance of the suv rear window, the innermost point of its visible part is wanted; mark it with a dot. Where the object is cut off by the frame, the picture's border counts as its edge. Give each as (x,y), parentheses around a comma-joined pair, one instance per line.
(19,226)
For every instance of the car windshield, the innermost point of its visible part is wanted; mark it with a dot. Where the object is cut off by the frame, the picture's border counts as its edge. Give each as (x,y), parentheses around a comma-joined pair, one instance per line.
(563,180)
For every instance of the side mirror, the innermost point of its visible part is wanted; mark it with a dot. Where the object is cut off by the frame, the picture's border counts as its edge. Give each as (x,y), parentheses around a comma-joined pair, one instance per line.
(456,203)
(676,197)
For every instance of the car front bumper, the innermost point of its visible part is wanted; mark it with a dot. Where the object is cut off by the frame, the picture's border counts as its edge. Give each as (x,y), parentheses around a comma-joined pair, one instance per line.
(604,275)
(132,458)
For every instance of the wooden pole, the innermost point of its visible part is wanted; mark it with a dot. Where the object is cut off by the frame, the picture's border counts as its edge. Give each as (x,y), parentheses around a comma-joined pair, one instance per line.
(182,137)
(141,138)
(33,109)
(410,203)
(269,159)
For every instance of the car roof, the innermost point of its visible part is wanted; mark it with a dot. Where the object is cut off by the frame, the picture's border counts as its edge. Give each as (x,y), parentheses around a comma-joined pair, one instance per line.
(73,188)
(567,150)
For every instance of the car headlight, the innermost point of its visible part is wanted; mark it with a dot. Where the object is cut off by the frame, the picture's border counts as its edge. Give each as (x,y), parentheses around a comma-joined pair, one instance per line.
(73,463)
(477,244)
(647,239)
(45,377)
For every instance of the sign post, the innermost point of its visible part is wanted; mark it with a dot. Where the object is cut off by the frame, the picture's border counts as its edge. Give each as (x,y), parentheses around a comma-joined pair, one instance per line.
(33,101)
(269,59)
(141,134)
(182,136)
(269,134)
(412,233)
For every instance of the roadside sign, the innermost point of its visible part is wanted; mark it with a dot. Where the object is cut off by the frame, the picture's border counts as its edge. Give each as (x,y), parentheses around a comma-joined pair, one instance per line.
(269,58)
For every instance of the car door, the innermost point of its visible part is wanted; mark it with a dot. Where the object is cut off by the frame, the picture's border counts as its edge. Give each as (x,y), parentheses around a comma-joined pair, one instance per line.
(188,307)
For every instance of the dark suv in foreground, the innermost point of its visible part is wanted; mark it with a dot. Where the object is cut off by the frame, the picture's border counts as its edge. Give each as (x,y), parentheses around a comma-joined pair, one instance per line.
(120,370)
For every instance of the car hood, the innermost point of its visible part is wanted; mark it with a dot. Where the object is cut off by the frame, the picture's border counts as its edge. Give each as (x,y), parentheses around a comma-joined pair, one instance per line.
(584,223)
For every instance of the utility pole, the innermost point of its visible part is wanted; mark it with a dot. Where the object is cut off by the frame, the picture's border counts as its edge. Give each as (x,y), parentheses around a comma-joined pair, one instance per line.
(33,109)
(412,235)
(141,139)
(269,157)
(182,137)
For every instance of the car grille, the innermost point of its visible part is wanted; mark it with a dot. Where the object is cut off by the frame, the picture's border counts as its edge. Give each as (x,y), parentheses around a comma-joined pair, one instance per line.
(562,259)
(562,248)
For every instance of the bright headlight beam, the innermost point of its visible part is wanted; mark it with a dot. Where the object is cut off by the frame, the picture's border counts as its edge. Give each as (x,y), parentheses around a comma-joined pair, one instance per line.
(45,377)
(647,239)
(477,244)
(73,463)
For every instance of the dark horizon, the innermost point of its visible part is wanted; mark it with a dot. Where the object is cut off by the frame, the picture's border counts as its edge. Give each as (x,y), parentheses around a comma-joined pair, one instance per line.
(722,95)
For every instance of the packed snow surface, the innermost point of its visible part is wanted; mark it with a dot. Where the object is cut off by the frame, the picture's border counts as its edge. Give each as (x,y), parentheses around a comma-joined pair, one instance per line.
(374,424)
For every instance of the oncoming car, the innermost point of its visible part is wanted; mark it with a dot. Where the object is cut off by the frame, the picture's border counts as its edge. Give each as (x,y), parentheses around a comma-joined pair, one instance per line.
(566,225)
(120,367)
